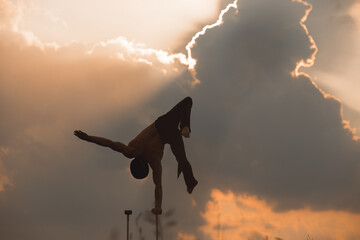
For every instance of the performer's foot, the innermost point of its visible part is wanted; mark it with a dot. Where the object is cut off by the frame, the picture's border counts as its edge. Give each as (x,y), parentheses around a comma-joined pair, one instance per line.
(185,132)
(156,211)
(191,188)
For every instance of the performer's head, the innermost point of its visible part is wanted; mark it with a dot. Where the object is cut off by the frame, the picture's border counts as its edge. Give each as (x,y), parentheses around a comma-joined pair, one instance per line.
(139,168)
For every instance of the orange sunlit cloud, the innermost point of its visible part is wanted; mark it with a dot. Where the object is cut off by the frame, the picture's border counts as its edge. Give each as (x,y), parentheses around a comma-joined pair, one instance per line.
(242,217)
(184,236)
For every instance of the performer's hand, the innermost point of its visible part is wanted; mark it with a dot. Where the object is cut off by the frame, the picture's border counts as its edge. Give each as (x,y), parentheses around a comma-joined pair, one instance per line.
(185,132)
(156,211)
(82,135)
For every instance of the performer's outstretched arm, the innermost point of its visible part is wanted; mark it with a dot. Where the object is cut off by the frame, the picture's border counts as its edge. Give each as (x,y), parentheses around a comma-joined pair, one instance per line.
(157,172)
(116,146)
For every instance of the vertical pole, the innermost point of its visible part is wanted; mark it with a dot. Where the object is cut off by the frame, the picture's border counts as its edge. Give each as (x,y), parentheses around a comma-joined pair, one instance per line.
(127,228)
(128,213)
(157,226)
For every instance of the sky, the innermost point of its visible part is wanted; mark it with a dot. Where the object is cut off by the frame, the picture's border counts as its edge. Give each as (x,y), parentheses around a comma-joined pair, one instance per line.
(276,107)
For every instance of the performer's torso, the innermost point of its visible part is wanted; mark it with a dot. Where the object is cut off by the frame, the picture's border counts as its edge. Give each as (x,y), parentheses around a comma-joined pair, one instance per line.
(149,144)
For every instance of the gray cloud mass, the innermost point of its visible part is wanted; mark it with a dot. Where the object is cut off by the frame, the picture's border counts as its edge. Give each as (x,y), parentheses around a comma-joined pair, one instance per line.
(281,138)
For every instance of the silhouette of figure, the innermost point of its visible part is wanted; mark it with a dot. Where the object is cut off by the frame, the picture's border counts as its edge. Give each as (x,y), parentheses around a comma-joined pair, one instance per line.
(147,148)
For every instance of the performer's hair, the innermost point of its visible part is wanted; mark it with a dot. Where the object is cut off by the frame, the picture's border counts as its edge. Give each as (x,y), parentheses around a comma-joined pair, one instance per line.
(139,168)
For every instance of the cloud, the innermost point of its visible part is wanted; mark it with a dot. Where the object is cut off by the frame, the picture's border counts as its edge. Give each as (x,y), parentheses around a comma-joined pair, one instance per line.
(340,31)
(5,179)
(182,236)
(252,218)
(256,129)
(271,135)
(335,70)
(50,179)
(9,14)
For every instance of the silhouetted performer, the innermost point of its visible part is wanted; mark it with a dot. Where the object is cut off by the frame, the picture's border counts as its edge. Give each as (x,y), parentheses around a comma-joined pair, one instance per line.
(147,148)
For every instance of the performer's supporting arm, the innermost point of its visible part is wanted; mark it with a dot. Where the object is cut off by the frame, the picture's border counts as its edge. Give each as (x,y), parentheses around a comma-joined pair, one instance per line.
(157,172)
(116,146)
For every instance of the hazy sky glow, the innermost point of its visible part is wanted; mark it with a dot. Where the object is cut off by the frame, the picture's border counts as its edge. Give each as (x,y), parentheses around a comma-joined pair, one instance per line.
(272,152)
(159,24)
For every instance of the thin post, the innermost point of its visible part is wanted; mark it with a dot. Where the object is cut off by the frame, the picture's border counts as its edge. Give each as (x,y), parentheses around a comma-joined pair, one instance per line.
(157,226)
(127,213)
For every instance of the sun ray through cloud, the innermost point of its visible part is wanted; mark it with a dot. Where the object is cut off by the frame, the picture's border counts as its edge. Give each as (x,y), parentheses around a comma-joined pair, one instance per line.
(310,61)
(191,62)
(124,49)
(165,57)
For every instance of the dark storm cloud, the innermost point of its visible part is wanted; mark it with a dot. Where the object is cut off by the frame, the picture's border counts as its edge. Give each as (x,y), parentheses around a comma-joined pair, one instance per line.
(259,131)
(277,137)
(256,129)
(336,34)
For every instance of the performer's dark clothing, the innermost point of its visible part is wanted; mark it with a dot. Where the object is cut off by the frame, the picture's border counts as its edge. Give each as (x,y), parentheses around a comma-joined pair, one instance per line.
(168,128)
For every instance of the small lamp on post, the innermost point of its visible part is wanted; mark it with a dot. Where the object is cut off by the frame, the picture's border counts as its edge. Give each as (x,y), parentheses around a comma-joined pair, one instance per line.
(128,213)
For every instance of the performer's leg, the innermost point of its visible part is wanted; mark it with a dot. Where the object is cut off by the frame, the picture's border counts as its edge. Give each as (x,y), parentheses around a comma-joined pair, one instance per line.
(185,120)
(178,149)
(180,113)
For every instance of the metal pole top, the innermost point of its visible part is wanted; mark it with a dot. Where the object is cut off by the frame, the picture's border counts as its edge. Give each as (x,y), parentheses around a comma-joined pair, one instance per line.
(128,212)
